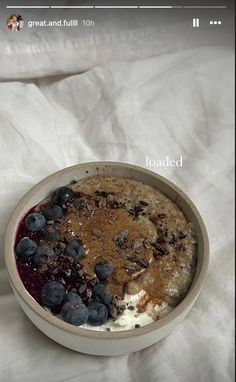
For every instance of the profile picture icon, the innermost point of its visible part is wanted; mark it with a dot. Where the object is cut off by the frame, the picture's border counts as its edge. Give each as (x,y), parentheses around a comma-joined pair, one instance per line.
(15,22)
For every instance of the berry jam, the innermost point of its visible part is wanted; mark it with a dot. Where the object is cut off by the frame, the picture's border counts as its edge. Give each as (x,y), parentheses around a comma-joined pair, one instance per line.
(32,279)
(64,269)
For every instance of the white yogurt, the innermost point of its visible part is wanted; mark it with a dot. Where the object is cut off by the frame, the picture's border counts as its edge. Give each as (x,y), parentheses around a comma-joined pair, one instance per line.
(129,318)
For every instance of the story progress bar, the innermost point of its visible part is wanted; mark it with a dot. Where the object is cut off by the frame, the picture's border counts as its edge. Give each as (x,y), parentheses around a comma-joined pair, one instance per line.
(113,6)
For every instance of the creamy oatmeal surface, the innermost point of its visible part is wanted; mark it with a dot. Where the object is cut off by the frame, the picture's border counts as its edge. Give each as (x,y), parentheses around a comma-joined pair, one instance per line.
(121,250)
(157,233)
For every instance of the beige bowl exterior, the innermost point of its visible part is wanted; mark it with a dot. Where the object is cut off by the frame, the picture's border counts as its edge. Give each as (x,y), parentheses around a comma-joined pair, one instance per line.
(97,342)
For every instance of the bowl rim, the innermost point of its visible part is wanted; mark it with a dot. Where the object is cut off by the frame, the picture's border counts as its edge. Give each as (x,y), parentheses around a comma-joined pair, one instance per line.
(47,316)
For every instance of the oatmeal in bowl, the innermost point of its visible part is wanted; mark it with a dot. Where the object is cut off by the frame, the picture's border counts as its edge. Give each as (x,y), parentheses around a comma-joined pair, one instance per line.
(106,252)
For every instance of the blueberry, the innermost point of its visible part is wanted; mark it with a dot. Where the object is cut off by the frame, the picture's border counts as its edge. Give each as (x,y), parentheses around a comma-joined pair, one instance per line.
(52,213)
(35,222)
(52,293)
(25,248)
(75,249)
(50,233)
(72,296)
(103,269)
(62,195)
(43,255)
(97,314)
(101,294)
(74,313)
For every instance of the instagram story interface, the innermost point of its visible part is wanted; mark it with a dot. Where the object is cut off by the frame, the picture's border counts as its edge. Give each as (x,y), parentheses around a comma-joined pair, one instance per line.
(125,111)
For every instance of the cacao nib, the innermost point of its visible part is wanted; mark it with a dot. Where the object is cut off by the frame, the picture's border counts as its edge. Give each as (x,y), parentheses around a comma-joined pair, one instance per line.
(160,240)
(103,194)
(136,211)
(112,310)
(181,248)
(182,235)
(142,263)
(159,250)
(173,240)
(114,204)
(143,203)
(121,238)
(131,307)
(161,216)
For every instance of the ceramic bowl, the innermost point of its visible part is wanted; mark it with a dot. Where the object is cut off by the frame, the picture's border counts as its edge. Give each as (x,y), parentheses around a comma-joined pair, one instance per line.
(91,341)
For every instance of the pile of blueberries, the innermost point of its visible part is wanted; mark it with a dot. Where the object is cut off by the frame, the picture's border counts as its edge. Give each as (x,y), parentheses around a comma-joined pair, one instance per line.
(27,249)
(53,294)
(73,309)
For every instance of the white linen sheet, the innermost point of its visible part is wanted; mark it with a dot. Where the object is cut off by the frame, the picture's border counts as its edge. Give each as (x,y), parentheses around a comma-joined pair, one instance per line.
(169,103)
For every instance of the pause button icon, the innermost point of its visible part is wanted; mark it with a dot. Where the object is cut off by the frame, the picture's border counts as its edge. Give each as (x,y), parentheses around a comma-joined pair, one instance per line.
(196,23)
